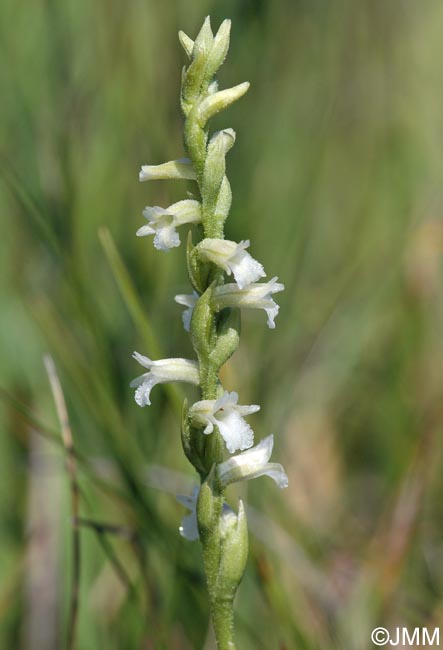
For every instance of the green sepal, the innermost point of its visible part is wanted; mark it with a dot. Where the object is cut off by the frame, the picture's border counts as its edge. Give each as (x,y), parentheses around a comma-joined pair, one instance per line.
(192,441)
(203,325)
(197,270)
(228,336)
(186,435)
(233,556)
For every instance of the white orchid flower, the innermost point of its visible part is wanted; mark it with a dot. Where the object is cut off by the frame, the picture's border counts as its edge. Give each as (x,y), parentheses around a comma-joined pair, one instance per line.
(232,258)
(256,295)
(251,464)
(227,415)
(163,222)
(161,372)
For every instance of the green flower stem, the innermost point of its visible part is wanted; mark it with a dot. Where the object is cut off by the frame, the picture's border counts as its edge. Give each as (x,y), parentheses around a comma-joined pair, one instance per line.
(222,612)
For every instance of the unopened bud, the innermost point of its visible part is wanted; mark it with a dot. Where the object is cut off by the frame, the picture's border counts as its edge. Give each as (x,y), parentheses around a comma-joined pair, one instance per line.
(215,103)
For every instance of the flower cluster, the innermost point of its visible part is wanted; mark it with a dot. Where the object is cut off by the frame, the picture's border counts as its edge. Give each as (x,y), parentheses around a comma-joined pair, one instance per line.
(214,426)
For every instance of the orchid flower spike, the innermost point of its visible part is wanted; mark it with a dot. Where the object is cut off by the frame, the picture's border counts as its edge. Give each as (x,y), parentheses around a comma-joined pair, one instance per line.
(225,414)
(163,222)
(161,372)
(232,258)
(251,464)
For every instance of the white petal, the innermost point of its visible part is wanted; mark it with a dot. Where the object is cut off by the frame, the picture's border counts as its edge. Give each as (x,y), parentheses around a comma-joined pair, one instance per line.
(188,300)
(143,361)
(247,410)
(142,394)
(234,430)
(272,314)
(145,230)
(227,400)
(246,269)
(276,472)
(187,317)
(166,238)
(261,453)
(154,214)
(244,465)
(138,380)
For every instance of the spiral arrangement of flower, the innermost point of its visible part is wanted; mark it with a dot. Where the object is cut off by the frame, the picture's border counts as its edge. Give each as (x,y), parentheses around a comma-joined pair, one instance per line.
(214,428)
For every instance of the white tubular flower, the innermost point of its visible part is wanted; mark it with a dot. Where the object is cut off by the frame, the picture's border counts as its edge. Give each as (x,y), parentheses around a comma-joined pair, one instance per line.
(187,300)
(163,222)
(256,295)
(189,528)
(227,415)
(251,464)
(232,258)
(181,168)
(162,372)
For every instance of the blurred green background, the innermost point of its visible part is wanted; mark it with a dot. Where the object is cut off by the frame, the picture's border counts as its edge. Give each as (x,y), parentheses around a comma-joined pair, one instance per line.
(336,177)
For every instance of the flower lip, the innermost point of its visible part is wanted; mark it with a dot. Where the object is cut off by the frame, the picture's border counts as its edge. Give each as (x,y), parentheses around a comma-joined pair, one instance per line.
(162,223)
(228,416)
